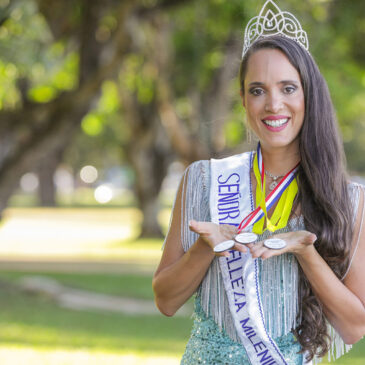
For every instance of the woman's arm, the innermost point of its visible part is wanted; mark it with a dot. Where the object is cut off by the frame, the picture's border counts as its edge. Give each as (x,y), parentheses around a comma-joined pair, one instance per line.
(343,303)
(179,274)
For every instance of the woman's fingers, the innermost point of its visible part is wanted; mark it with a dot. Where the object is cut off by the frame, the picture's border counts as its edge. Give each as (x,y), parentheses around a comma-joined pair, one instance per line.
(239,247)
(257,249)
(214,234)
(202,228)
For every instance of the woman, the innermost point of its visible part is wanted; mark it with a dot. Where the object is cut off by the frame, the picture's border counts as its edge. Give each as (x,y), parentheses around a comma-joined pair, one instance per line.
(260,303)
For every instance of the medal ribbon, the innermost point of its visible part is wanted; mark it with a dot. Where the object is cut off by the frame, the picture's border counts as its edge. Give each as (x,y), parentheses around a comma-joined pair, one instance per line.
(286,191)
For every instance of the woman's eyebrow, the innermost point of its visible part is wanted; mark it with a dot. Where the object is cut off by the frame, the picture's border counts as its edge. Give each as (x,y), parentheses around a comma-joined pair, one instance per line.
(258,83)
(288,82)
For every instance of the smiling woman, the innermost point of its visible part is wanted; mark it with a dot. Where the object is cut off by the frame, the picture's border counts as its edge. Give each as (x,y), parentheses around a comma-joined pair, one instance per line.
(298,291)
(274,100)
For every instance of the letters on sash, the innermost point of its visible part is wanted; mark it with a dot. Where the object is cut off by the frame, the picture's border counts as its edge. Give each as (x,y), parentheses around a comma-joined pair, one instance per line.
(230,201)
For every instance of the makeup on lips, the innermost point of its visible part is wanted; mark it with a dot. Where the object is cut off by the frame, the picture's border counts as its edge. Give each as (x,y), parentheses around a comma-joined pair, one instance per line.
(276,123)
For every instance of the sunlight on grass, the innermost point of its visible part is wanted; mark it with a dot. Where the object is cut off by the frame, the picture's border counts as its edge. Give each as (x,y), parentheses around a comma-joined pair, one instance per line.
(59,231)
(23,355)
(88,233)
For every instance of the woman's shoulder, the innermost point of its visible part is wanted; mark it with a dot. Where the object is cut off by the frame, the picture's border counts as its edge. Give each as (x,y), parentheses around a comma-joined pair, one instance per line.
(198,169)
(353,185)
(206,163)
(199,164)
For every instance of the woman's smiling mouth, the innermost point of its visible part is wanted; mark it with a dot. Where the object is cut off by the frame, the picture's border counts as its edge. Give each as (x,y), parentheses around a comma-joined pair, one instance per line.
(275,123)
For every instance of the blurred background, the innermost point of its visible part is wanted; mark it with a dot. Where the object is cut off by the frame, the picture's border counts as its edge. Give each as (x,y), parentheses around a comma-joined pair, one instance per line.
(103,104)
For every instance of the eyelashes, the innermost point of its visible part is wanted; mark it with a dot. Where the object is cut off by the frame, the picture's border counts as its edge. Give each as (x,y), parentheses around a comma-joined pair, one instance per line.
(288,89)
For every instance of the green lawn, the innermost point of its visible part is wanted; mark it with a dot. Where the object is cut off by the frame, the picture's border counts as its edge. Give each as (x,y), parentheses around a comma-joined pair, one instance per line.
(136,286)
(36,321)
(34,330)
(355,357)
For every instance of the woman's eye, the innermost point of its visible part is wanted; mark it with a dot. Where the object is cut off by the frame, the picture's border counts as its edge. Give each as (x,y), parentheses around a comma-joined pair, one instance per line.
(256,91)
(289,89)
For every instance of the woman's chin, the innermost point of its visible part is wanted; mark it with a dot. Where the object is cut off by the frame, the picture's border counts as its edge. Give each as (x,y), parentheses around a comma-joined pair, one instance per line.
(277,142)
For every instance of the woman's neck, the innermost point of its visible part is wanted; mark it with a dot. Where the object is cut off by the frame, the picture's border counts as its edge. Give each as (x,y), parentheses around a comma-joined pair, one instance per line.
(278,161)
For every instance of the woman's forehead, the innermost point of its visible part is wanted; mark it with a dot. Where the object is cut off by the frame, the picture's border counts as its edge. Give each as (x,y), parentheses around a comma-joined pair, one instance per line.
(270,65)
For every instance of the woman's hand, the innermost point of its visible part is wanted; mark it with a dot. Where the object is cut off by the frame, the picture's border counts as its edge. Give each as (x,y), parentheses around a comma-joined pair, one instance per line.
(213,234)
(296,242)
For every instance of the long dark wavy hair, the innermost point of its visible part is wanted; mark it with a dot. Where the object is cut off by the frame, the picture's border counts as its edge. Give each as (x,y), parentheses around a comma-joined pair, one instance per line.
(323,196)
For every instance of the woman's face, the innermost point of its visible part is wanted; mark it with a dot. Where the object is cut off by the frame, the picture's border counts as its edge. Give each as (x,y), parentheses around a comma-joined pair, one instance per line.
(274,99)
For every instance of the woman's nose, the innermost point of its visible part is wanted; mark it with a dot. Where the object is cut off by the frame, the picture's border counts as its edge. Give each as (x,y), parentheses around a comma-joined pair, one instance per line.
(273,103)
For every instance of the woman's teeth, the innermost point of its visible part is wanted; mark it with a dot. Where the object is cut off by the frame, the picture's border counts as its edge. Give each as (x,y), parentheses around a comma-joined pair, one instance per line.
(276,123)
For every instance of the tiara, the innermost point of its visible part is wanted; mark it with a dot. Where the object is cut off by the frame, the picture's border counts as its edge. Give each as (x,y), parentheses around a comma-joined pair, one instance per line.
(271,21)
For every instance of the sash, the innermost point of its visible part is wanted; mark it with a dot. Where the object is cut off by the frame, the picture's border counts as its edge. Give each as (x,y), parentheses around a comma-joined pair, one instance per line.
(230,201)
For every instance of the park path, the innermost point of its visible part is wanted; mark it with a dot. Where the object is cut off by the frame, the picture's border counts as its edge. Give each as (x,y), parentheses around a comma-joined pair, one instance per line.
(38,240)
(78,299)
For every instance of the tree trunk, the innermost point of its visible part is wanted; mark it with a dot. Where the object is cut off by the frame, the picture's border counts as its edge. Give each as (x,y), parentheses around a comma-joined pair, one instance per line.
(46,170)
(47,190)
(149,157)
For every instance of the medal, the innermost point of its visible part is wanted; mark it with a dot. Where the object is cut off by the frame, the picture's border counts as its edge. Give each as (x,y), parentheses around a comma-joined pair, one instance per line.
(246,237)
(275,243)
(224,246)
(284,193)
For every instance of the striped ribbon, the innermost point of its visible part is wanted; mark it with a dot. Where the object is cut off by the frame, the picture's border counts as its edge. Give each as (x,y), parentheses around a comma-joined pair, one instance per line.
(272,198)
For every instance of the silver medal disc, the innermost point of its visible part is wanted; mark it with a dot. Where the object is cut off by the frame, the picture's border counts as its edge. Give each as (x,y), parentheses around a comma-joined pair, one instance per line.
(224,246)
(275,243)
(246,237)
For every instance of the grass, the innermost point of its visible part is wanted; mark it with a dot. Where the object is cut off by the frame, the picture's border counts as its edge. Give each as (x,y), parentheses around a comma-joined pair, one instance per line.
(355,357)
(125,285)
(36,322)
(35,331)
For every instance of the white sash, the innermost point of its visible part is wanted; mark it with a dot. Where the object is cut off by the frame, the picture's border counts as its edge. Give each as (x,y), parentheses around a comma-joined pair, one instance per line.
(230,201)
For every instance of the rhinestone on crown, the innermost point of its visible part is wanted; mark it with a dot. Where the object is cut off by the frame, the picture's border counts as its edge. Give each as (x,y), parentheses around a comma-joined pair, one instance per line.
(271,21)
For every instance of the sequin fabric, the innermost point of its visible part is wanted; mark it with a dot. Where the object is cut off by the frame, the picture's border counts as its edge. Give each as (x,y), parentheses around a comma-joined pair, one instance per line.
(209,345)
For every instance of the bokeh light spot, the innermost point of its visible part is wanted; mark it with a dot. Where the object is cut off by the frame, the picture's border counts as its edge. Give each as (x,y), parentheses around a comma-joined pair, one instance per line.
(89,174)
(103,194)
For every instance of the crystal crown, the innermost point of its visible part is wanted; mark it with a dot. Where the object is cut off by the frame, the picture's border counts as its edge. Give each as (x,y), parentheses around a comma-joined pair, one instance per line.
(271,21)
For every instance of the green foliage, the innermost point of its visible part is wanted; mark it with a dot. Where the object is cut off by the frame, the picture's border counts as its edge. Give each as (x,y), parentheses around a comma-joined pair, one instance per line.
(103,130)
(29,51)
(9,94)
(139,76)
(235,128)
(92,124)
(199,33)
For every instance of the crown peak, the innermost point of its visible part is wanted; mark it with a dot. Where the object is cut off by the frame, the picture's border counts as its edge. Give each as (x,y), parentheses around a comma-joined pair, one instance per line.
(271,21)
